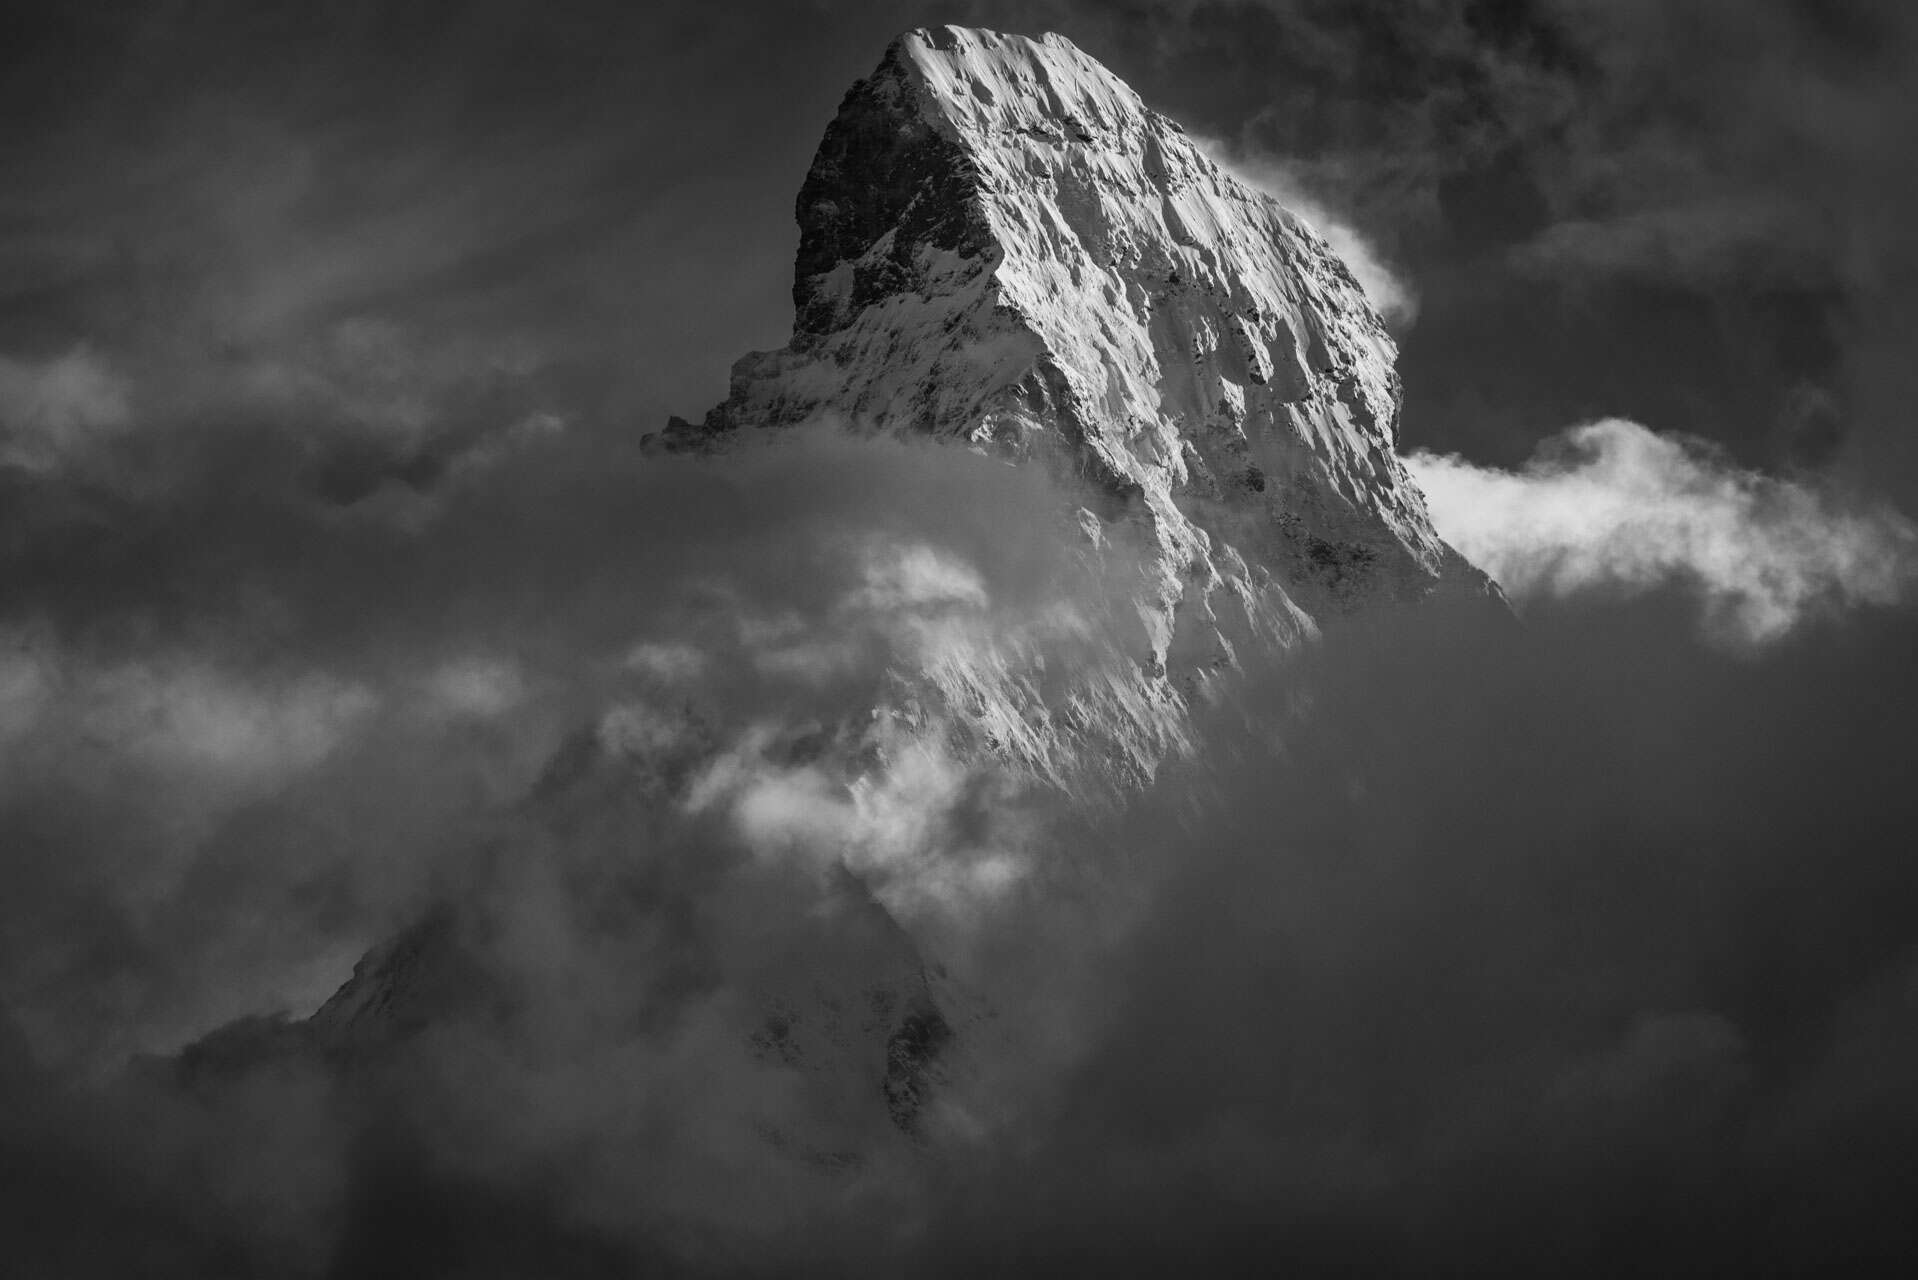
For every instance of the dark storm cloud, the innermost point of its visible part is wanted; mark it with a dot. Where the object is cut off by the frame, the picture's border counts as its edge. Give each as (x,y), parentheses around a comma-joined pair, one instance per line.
(1530,952)
(269,737)
(1577,939)
(1527,946)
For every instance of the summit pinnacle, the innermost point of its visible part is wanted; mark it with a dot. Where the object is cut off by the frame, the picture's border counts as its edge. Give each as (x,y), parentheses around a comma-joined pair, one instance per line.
(1000,243)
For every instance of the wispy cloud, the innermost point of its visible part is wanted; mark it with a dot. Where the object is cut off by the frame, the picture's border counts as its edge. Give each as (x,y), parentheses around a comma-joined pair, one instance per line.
(54,409)
(1612,505)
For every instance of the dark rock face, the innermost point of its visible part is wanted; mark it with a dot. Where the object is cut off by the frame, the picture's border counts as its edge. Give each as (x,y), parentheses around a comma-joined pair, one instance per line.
(912,1060)
(426,975)
(882,170)
(429,975)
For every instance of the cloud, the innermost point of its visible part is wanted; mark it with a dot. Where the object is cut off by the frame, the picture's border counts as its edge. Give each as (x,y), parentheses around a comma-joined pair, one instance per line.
(1614,506)
(479,688)
(1387,289)
(224,703)
(26,685)
(199,719)
(54,410)
(1700,244)
(1521,918)
(668,662)
(181,715)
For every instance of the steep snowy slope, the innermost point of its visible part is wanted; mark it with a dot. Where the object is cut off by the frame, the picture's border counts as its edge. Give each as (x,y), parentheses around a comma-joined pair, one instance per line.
(1000,242)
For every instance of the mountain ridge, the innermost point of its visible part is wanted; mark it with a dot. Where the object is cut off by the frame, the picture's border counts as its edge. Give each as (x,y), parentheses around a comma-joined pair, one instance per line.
(1003,248)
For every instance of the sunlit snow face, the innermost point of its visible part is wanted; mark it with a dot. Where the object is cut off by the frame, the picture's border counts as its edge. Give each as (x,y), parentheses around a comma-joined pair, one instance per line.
(1390,292)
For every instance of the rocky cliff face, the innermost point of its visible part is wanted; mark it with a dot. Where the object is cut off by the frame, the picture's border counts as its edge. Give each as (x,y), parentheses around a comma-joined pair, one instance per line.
(1001,244)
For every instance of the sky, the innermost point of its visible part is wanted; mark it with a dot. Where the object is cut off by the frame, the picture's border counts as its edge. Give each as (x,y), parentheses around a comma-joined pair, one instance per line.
(327,335)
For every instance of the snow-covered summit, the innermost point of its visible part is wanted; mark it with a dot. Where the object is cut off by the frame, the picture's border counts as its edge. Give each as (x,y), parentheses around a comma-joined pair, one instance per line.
(1000,242)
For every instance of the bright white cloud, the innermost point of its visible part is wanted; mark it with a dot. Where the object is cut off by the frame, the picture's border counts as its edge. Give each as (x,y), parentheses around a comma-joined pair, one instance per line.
(1612,505)
(917,577)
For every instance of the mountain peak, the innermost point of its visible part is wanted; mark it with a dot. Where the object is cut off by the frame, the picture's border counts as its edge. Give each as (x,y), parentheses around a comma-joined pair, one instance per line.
(1016,81)
(1000,243)
(1001,246)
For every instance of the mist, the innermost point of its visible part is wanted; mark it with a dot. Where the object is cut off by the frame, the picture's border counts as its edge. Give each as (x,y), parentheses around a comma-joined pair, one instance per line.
(1456,917)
